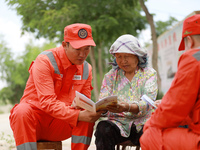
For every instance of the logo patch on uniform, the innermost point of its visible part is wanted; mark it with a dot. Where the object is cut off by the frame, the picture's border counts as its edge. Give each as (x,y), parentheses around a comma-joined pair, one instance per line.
(77,77)
(82,33)
(186,32)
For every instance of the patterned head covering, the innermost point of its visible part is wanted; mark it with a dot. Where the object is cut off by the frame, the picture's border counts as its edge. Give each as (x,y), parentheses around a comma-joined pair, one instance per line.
(130,44)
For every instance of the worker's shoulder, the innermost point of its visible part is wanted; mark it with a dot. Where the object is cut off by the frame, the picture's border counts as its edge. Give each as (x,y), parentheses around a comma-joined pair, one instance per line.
(193,53)
(46,55)
(87,64)
(196,55)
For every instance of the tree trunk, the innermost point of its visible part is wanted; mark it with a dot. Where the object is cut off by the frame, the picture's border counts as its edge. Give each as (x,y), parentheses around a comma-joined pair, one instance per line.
(94,72)
(154,39)
(100,64)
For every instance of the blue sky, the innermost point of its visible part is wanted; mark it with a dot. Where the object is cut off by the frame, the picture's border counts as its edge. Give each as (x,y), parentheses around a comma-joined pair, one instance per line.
(10,22)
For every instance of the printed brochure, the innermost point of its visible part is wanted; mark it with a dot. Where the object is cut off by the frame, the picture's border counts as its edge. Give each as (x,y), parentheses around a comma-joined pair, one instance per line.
(148,100)
(86,103)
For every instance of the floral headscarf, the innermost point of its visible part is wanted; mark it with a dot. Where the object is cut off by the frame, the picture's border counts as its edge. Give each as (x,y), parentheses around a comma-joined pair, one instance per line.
(130,44)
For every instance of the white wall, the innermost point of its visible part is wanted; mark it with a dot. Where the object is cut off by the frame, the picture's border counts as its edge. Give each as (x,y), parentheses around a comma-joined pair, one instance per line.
(168,54)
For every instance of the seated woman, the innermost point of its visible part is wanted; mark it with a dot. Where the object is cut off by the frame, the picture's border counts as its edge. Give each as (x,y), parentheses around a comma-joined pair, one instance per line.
(129,80)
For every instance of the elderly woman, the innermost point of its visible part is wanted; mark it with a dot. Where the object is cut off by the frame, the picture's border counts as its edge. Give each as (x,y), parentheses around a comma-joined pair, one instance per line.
(129,79)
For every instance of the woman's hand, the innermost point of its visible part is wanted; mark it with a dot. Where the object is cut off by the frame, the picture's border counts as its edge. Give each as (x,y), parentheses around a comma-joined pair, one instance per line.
(118,107)
(123,107)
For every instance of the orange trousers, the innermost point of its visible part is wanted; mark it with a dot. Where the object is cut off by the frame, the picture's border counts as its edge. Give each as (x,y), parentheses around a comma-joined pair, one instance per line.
(30,124)
(169,139)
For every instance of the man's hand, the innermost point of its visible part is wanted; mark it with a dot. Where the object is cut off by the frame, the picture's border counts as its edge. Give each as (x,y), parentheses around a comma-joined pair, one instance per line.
(89,116)
(74,104)
(157,102)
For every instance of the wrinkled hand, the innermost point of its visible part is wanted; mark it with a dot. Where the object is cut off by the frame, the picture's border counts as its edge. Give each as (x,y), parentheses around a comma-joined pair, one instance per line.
(89,116)
(118,107)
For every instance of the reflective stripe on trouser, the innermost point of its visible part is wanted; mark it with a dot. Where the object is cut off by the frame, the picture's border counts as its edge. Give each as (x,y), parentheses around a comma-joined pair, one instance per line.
(81,139)
(27,146)
(29,125)
(82,136)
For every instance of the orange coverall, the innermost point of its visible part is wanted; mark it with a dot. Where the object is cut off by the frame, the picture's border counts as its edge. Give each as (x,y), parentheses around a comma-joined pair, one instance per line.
(44,111)
(180,104)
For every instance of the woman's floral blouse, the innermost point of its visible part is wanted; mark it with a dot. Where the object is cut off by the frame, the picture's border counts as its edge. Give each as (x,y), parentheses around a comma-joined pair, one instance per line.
(144,82)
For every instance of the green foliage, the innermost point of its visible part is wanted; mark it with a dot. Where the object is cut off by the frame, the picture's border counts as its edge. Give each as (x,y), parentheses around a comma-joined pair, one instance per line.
(160,95)
(161,26)
(15,71)
(109,19)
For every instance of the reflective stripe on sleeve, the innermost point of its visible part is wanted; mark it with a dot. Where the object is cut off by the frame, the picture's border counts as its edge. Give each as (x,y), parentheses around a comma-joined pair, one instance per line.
(85,70)
(197,55)
(81,139)
(27,146)
(55,65)
(53,61)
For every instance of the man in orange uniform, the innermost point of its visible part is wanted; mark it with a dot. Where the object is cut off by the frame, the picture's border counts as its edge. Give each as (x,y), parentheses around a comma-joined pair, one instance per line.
(182,101)
(45,111)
